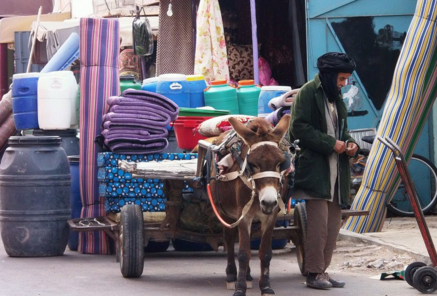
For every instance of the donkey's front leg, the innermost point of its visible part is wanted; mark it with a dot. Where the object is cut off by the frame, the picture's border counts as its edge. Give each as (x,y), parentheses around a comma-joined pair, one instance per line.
(265,255)
(244,255)
(231,269)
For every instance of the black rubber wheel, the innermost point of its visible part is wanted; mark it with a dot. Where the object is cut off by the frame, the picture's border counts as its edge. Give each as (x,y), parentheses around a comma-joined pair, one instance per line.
(300,219)
(424,176)
(131,241)
(425,279)
(410,270)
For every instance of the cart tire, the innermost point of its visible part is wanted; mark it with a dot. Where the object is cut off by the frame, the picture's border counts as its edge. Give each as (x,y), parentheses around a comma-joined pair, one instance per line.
(410,270)
(131,241)
(425,279)
(300,219)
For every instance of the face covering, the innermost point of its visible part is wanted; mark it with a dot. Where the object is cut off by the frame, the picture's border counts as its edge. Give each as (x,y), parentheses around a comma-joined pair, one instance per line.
(329,65)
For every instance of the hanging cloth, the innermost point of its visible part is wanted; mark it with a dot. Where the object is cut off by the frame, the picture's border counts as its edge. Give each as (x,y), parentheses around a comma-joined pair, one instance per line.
(211,58)
(175,51)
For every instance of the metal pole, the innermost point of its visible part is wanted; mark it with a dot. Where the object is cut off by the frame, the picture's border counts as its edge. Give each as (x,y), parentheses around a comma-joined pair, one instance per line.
(254,41)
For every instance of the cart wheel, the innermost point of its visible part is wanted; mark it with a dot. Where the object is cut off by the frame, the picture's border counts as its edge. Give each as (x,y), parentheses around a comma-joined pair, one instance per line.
(425,279)
(300,219)
(410,270)
(131,241)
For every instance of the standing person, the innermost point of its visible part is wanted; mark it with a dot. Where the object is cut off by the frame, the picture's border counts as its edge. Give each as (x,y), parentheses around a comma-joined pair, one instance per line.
(319,121)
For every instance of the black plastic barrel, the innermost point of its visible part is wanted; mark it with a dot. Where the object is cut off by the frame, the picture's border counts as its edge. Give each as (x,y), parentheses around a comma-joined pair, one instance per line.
(34,197)
(70,141)
(75,201)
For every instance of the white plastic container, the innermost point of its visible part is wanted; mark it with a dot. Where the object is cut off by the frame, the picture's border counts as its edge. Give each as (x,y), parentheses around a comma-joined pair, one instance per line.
(57,102)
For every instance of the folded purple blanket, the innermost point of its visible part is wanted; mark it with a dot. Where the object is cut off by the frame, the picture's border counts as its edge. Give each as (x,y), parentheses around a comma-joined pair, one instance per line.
(117,133)
(152,98)
(159,114)
(150,118)
(124,125)
(137,146)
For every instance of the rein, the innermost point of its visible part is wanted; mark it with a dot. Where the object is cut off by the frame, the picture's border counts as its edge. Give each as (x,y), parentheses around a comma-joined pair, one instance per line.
(249,181)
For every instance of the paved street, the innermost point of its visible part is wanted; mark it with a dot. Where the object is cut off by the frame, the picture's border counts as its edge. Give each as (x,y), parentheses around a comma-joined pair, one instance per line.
(166,274)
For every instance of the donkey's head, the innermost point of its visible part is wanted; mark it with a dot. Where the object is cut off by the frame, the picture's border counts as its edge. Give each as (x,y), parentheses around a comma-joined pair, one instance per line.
(264,157)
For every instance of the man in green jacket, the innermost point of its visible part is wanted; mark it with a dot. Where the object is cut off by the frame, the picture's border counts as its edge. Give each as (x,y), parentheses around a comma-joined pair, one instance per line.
(319,121)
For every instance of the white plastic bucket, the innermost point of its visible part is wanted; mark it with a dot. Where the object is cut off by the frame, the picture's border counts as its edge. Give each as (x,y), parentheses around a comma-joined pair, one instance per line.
(57,93)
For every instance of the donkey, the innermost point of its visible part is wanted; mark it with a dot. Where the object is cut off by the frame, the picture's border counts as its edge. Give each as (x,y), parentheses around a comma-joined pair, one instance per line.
(253,197)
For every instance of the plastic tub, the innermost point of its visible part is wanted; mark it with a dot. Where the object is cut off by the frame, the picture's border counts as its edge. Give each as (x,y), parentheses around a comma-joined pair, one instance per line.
(267,93)
(150,84)
(174,87)
(197,86)
(202,112)
(25,100)
(220,95)
(248,94)
(186,138)
(57,99)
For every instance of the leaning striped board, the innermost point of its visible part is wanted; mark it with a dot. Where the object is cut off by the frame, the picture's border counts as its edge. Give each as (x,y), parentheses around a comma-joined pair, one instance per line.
(409,103)
(99,79)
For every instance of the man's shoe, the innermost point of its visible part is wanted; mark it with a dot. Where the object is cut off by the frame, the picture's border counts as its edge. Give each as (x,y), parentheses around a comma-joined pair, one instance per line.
(334,283)
(318,281)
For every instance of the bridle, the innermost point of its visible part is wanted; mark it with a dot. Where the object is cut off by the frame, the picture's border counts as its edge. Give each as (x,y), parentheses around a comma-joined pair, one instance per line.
(249,180)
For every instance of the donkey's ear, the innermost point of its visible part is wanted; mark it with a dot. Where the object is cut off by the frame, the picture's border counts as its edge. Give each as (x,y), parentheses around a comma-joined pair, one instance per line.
(245,133)
(282,127)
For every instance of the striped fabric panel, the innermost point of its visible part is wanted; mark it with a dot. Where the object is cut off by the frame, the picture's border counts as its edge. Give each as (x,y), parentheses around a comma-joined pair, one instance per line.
(409,103)
(99,79)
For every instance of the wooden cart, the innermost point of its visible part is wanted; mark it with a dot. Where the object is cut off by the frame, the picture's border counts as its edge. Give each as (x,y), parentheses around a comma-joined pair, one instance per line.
(131,233)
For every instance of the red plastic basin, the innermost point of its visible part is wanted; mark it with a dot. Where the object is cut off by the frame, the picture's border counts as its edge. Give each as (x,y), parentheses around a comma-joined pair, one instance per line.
(184,126)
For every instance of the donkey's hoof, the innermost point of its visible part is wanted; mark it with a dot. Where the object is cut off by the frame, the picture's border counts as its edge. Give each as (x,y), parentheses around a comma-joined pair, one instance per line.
(230,285)
(249,284)
(239,293)
(267,292)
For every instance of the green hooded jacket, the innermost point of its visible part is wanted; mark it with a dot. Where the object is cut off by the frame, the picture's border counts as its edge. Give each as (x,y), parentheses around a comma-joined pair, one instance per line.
(308,125)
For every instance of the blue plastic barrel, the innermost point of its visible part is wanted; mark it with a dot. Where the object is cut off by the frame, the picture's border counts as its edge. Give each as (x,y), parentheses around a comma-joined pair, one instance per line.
(175,87)
(197,86)
(150,84)
(75,201)
(25,100)
(267,93)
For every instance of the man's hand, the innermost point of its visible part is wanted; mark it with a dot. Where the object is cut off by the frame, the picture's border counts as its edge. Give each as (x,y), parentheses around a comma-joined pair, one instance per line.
(339,147)
(351,149)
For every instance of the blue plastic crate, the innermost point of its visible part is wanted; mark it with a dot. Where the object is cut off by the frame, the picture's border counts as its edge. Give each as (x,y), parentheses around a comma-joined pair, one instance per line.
(119,187)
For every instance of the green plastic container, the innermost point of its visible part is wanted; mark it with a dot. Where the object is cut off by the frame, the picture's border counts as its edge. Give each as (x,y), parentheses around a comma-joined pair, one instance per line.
(202,112)
(128,81)
(221,96)
(248,94)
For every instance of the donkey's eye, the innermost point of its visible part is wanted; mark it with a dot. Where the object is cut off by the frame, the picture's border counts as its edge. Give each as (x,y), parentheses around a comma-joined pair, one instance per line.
(255,167)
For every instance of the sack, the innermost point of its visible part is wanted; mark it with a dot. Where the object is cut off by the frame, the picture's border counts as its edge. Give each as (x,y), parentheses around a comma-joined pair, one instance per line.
(142,36)
(217,125)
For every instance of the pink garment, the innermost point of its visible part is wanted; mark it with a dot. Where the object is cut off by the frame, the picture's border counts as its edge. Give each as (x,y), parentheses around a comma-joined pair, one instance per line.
(265,73)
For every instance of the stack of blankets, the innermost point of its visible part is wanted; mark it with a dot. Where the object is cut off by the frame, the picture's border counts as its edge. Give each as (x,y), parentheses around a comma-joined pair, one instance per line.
(136,122)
